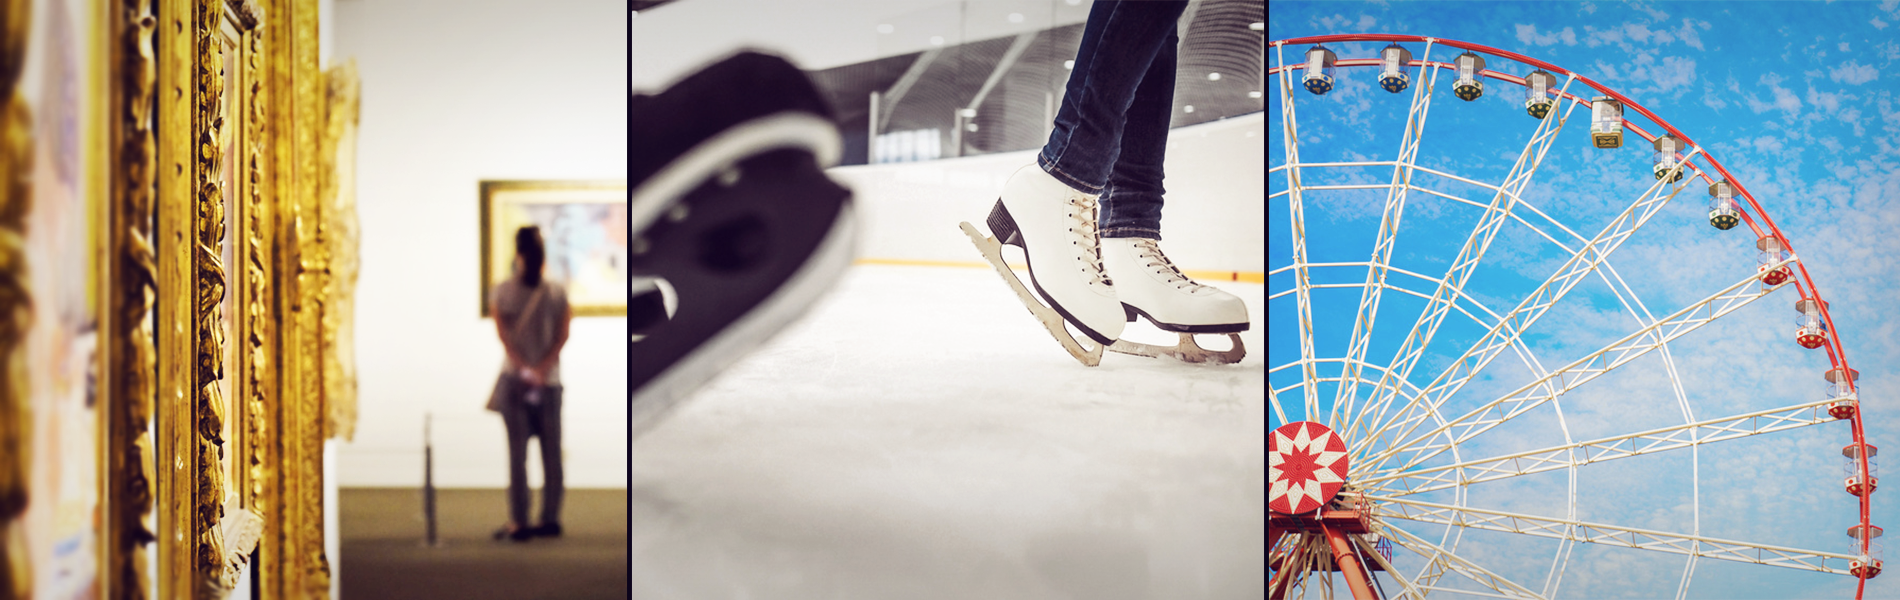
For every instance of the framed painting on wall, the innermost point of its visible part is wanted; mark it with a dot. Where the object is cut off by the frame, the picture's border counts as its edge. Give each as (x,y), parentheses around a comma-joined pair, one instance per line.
(584,225)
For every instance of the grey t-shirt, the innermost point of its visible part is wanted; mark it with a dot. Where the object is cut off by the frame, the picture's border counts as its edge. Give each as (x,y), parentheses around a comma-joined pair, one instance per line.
(532,335)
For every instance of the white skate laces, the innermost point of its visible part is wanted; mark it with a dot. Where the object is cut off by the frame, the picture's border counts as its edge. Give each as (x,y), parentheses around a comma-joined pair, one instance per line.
(1082,211)
(1152,258)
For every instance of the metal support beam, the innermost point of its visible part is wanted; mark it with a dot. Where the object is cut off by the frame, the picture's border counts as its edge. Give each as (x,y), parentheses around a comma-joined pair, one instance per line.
(1349,566)
(902,87)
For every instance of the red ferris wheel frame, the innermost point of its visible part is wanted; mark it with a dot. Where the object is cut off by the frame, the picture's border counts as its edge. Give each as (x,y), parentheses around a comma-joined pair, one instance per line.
(1804,285)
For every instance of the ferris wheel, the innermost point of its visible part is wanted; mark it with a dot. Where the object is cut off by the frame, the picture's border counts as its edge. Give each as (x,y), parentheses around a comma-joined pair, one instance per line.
(1392,435)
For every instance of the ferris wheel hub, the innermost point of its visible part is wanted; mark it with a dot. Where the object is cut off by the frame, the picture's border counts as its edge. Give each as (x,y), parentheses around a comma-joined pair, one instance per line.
(1306,467)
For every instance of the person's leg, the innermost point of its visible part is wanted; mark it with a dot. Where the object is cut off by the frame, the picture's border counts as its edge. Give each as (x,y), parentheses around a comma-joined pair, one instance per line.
(1119,44)
(1131,203)
(553,484)
(514,418)
(1053,202)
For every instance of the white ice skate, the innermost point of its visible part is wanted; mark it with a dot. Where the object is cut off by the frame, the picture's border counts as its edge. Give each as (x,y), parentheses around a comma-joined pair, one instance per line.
(1149,285)
(1038,213)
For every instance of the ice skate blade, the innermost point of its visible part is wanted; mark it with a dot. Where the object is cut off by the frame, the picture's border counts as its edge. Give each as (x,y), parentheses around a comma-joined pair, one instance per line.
(993,252)
(1187,351)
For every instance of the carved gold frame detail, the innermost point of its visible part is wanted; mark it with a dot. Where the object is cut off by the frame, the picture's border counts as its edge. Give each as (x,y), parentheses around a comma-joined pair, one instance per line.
(220,215)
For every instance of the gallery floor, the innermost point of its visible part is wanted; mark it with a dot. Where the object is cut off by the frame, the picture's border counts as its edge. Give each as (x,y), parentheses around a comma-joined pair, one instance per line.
(921,436)
(383,555)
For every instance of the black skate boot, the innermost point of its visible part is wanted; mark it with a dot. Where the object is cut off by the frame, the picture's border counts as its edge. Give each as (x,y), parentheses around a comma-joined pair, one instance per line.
(731,208)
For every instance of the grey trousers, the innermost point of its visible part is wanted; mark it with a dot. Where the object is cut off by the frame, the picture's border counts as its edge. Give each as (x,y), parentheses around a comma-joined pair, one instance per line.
(541,421)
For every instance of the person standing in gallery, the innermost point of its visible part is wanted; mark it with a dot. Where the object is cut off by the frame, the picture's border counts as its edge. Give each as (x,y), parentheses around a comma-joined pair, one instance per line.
(531,318)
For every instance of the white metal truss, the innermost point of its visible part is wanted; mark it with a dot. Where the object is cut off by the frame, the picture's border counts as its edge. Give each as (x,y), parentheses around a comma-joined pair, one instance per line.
(1408,391)
(1369,296)
(1609,535)
(1489,224)
(1438,561)
(1577,373)
(1301,279)
(1407,589)
(1553,289)
(1522,202)
(1429,479)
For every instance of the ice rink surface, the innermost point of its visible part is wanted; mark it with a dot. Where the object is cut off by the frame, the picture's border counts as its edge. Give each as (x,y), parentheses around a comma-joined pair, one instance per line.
(920,436)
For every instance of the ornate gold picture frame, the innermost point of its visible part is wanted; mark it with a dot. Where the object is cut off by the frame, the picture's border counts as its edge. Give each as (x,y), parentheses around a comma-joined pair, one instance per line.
(584,225)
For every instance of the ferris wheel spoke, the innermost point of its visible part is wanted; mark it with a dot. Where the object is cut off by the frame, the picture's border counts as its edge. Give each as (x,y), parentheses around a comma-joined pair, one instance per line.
(1439,562)
(1609,535)
(1583,370)
(1533,307)
(1428,479)
(1634,305)
(1407,589)
(1346,396)
(1302,280)
(1495,216)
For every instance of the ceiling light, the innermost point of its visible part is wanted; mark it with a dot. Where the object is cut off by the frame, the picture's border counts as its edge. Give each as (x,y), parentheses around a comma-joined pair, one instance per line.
(1074,2)
(1015,17)
(1188,108)
(1254,94)
(1213,76)
(1257,26)
(936,40)
(967,112)
(885,28)
(1068,64)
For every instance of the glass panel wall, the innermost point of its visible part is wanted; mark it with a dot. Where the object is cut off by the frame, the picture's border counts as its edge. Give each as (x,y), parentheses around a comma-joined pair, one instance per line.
(972,77)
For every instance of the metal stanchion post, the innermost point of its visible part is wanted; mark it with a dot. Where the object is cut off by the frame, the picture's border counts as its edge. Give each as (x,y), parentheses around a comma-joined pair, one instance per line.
(428,484)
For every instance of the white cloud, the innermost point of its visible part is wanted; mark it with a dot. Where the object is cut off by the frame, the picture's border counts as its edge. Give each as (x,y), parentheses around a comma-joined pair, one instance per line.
(1366,22)
(1612,36)
(1674,72)
(1637,31)
(1854,73)
(1843,46)
(1785,99)
(1607,72)
(1878,24)
(1334,22)
(1852,117)
(1824,100)
(1588,8)
(1713,100)
(1528,34)
(1687,33)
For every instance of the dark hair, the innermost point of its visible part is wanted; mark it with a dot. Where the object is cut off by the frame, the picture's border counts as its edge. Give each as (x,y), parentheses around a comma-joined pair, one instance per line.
(528,247)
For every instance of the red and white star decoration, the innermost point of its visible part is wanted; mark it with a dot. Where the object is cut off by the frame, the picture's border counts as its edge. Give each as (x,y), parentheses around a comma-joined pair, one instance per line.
(1306,465)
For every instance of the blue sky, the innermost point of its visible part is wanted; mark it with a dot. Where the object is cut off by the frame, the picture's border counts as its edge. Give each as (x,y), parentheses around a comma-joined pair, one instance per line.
(1797,100)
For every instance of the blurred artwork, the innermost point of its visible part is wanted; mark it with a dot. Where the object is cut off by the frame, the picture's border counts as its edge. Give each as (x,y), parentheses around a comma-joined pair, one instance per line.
(61,519)
(585,226)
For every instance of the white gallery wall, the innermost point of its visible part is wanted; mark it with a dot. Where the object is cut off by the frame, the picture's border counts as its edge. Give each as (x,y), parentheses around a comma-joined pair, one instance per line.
(454,93)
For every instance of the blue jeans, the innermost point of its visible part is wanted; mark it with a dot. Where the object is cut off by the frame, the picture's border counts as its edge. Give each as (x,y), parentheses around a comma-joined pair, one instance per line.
(1111,133)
